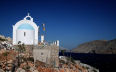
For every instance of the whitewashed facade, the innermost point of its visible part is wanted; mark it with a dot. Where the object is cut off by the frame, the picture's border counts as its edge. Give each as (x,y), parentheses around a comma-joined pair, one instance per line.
(25,31)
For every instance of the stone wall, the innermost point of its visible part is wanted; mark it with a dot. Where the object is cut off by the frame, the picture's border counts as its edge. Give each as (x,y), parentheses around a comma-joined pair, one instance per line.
(48,54)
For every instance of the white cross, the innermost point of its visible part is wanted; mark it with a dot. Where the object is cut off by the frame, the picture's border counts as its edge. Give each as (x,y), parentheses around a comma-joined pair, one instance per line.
(28,14)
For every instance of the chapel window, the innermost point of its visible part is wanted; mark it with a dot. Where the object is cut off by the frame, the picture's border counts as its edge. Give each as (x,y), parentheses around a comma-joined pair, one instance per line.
(24,33)
(41,53)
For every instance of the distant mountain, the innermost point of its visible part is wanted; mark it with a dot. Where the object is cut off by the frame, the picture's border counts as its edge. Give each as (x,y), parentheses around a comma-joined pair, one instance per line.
(97,46)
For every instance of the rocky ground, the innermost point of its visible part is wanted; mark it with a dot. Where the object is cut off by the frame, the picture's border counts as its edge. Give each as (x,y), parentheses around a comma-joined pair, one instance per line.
(9,62)
(19,60)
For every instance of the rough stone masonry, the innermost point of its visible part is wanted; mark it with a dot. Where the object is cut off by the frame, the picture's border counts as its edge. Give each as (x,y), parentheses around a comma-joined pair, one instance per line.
(48,54)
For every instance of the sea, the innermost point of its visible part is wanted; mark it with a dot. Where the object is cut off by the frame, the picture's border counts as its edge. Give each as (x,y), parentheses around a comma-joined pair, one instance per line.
(103,62)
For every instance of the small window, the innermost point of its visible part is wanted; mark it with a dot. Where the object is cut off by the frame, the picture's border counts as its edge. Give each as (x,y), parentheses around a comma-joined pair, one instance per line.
(24,33)
(41,53)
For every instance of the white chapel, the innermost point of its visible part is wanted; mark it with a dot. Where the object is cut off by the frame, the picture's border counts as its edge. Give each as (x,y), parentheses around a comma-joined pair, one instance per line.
(25,31)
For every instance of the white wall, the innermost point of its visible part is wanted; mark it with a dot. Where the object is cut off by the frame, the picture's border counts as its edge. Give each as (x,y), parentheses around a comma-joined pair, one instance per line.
(17,34)
(28,39)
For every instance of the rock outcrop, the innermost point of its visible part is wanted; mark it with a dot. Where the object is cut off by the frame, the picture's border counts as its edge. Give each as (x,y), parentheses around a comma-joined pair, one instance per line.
(69,65)
(3,38)
(19,59)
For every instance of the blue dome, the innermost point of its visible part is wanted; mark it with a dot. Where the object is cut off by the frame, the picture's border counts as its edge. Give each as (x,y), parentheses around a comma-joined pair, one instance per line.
(26,26)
